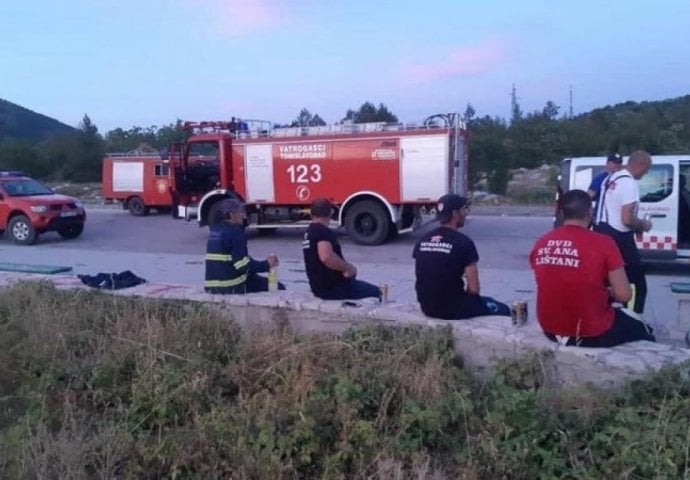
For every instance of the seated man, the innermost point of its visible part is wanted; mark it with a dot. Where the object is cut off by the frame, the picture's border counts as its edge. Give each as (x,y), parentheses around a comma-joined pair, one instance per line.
(579,273)
(442,257)
(229,268)
(330,276)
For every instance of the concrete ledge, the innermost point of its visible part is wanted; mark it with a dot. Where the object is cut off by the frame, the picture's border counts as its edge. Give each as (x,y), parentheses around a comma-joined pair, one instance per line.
(479,342)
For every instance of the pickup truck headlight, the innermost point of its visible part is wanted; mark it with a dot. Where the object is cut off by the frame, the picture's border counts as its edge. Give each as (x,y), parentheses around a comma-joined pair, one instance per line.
(39,208)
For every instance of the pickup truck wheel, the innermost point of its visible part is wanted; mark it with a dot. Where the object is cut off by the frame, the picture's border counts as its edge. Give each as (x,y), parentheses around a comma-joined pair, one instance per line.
(367,223)
(21,231)
(71,232)
(136,207)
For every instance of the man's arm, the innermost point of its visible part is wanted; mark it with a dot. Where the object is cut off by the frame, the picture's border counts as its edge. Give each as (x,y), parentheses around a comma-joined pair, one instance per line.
(472,276)
(630,220)
(332,260)
(620,286)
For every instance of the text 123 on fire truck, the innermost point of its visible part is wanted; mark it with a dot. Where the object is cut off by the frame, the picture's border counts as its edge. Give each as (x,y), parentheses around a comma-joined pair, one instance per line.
(380,177)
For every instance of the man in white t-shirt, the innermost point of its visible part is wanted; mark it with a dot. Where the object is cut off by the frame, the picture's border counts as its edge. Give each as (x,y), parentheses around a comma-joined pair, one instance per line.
(617,217)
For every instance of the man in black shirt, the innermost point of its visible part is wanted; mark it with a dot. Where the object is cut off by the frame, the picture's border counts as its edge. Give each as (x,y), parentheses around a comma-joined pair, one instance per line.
(442,257)
(330,276)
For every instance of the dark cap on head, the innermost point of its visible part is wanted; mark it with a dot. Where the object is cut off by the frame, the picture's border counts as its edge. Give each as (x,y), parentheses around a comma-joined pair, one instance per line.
(615,158)
(447,204)
(228,207)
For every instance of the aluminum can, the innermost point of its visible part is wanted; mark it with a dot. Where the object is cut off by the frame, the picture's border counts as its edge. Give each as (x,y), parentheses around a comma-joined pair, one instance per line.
(518,312)
(383,292)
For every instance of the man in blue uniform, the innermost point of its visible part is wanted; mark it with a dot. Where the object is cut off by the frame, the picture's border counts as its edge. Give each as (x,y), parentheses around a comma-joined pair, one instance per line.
(229,268)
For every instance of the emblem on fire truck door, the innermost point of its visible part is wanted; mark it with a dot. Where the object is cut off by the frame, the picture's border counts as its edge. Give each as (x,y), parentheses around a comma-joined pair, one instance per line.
(302,193)
(162,186)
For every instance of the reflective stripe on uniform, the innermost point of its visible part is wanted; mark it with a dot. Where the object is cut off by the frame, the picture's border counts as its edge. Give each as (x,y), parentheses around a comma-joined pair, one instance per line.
(218,257)
(226,283)
(241,263)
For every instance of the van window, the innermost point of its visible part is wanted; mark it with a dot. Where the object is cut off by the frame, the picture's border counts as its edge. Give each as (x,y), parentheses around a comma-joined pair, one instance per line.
(657,184)
(161,170)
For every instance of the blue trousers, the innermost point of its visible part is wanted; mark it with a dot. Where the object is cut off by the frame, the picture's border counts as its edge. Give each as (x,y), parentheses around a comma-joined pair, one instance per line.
(254,283)
(353,289)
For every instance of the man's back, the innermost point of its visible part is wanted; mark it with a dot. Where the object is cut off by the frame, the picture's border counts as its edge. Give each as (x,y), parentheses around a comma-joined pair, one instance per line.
(440,260)
(571,266)
(321,278)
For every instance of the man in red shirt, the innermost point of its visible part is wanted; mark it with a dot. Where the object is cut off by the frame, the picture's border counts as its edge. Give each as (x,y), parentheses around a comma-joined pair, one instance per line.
(579,273)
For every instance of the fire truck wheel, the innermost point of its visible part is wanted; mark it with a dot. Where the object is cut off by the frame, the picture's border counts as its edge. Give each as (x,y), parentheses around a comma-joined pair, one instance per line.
(367,223)
(136,207)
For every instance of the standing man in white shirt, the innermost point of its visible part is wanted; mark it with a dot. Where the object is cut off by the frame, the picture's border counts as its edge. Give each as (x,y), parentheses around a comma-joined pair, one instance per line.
(617,217)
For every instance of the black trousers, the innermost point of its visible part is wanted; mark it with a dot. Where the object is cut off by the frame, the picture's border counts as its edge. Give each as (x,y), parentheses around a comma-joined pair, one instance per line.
(623,330)
(633,264)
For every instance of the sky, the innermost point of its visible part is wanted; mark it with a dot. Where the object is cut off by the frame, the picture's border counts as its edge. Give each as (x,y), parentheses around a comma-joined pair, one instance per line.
(142,63)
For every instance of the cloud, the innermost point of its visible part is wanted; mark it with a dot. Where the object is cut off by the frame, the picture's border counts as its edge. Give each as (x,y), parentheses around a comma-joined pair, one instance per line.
(461,62)
(242,17)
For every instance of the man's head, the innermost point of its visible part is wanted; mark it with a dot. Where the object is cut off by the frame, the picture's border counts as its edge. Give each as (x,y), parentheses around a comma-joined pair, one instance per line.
(639,164)
(452,209)
(321,210)
(577,207)
(232,211)
(614,162)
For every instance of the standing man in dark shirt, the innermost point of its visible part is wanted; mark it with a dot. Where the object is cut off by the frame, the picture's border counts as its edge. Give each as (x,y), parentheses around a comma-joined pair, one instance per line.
(330,276)
(229,268)
(442,257)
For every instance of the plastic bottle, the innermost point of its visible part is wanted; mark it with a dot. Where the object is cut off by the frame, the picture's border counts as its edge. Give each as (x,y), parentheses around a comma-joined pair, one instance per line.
(273,279)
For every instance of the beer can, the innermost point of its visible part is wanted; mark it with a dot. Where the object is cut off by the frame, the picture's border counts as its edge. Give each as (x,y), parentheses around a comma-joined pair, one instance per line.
(383,292)
(518,312)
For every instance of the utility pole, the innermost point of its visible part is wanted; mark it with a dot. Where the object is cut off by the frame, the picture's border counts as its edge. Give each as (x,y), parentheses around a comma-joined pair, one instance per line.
(570,111)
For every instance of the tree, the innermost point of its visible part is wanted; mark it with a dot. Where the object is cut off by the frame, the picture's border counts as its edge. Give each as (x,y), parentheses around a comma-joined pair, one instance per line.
(89,152)
(306,119)
(550,110)
(469,114)
(368,112)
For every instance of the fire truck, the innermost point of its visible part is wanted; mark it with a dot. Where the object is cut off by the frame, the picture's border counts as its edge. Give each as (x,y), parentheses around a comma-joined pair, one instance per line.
(380,177)
(139,181)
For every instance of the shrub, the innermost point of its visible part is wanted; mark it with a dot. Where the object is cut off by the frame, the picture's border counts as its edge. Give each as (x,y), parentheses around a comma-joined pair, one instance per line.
(100,386)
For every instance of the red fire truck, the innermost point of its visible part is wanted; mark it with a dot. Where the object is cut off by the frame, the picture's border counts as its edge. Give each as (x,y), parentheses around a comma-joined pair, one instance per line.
(381,177)
(140,182)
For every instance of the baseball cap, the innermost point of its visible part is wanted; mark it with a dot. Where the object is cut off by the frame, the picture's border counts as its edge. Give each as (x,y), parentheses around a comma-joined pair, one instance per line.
(614,158)
(447,204)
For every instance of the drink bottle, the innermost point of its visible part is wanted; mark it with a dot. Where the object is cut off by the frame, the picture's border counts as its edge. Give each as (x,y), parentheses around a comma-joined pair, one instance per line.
(273,279)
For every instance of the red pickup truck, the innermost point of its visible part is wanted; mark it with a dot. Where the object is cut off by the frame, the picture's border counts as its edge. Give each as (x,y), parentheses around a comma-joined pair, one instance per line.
(28,208)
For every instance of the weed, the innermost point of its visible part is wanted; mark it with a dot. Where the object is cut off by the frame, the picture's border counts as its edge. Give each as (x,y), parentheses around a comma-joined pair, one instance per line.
(99,386)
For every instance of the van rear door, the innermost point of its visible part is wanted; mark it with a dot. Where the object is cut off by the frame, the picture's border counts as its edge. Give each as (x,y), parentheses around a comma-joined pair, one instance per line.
(659,200)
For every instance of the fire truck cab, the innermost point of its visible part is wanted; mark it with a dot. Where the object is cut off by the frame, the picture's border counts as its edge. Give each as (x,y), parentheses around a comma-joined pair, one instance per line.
(380,177)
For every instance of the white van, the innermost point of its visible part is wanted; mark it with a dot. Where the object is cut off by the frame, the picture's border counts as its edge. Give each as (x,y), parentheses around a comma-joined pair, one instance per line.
(664,196)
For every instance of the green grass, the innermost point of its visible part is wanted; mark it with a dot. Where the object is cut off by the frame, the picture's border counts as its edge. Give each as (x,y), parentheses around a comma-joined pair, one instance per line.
(99,386)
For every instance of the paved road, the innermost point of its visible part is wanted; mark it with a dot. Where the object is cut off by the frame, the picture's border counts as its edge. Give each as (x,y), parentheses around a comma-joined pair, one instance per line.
(503,241)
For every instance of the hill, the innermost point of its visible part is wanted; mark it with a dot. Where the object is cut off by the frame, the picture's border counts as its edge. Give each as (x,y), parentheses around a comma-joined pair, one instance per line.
(19,123)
